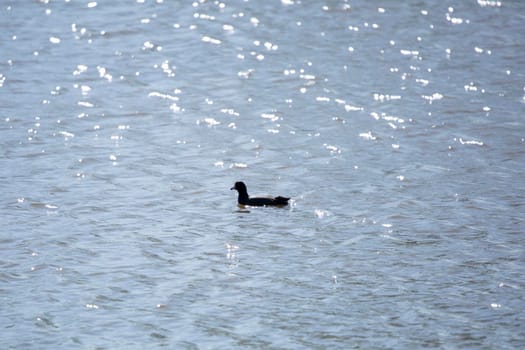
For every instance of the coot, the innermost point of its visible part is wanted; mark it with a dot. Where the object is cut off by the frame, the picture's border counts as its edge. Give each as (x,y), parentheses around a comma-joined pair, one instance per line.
(244,198)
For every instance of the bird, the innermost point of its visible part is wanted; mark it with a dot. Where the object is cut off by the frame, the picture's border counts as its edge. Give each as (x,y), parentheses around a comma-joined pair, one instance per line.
(244,198)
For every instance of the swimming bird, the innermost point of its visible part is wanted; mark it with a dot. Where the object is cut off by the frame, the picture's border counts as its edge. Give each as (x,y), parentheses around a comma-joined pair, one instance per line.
(244,198)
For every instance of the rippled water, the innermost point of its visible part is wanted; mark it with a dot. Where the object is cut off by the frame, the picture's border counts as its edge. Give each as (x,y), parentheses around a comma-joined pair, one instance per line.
(396,127)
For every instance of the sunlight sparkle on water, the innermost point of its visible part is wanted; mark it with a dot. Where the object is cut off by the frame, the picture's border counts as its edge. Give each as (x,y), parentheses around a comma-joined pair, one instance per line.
(489,3)
(320,213)
(85,104)
(470,142)
(80,69)
(270,116)
(228,28)
(210,40)
(367,136)
(163,96)
(208,122)
(430,98)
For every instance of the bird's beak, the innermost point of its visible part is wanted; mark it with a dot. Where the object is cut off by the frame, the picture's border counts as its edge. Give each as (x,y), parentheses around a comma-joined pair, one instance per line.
(232,188)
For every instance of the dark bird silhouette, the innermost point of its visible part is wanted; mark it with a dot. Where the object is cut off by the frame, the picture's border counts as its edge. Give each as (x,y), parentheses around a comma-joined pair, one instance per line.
(244,198)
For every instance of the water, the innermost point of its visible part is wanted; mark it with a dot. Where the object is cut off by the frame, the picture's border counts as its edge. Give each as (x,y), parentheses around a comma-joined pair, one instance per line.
(397,128)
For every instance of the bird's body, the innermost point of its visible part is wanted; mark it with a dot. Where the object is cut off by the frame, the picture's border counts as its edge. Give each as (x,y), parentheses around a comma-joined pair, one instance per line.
(244,198)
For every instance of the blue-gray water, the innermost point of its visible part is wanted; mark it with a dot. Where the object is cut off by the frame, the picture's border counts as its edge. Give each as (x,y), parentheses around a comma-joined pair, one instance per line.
(397,128)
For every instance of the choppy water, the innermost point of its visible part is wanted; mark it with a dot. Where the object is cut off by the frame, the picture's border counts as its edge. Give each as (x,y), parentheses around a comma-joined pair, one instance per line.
(397,128)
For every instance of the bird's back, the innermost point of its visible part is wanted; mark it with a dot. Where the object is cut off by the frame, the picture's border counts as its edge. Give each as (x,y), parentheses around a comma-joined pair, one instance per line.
(262,201)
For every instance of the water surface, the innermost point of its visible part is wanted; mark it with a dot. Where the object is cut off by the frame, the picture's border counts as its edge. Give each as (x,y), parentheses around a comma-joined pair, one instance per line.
(397,129)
